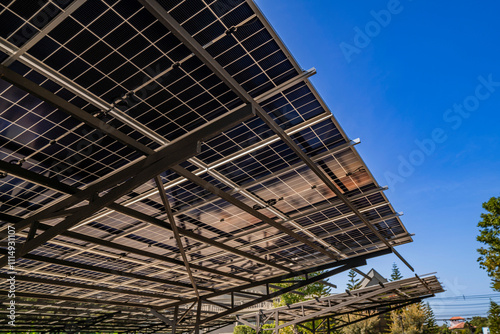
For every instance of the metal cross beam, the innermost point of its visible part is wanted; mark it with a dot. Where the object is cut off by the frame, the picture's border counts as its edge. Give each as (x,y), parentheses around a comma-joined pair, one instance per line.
(175,230)
(77,265)
(81,325)
(75,299)
(126,249)
(339,266)
(45,95)
(354,261)
(23,278)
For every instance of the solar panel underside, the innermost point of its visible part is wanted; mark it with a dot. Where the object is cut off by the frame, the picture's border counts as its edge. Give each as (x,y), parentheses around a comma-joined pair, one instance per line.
(109,53)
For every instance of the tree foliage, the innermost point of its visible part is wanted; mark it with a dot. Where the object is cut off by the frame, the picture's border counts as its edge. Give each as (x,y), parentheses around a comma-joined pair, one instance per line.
(430,325)
(396,274)
(317,289)
(413,319)
(310,291)
(443,329)
(494,318)
(479,323)
(243,329)
(489,234)
(368,326)
(353,283)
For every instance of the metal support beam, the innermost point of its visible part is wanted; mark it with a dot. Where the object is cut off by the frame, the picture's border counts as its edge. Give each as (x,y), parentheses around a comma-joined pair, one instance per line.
(168,210)
(353,263)
(187,311)
(23,278)
(81,325)
(176,316)
(162,318)
(285,85)
(32,231)
(198,318)
(74,299)
(63,105)
(171,24)
(82,266)
(371,298)
(155,221)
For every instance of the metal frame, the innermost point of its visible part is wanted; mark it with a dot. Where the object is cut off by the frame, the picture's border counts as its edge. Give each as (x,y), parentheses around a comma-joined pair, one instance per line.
(78,207)
(381,299)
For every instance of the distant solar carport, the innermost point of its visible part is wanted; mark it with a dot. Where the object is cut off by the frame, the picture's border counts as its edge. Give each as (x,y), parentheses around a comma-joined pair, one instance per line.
(165,163)
(329,314)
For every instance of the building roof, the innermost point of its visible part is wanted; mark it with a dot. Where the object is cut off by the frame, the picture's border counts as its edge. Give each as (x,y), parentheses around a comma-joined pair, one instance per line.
(375,279)
(460,325)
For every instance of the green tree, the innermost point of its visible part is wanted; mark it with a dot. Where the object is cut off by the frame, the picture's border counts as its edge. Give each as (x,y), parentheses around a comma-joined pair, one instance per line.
(368,326)
(430,325)
(243,329)
(489,234)
(494,318)
(317,289)
(310,291)
(411,320)
(396,274)
(479,323)
(443,329)
(353,283)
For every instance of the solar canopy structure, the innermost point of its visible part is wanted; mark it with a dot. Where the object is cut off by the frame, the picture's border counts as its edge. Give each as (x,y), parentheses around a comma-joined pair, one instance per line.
(328,314)
(164,163)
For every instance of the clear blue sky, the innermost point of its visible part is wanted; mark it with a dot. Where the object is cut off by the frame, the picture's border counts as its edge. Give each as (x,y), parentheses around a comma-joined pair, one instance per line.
(397,89)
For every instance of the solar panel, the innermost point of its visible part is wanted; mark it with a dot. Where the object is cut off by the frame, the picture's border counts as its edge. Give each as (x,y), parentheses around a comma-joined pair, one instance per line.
(119,66)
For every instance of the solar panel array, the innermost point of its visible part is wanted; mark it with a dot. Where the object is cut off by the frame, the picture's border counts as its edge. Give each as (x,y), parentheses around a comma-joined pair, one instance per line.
(115,61)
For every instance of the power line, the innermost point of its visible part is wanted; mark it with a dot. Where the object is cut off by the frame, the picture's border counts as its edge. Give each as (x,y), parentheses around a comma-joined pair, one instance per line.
(486,296)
